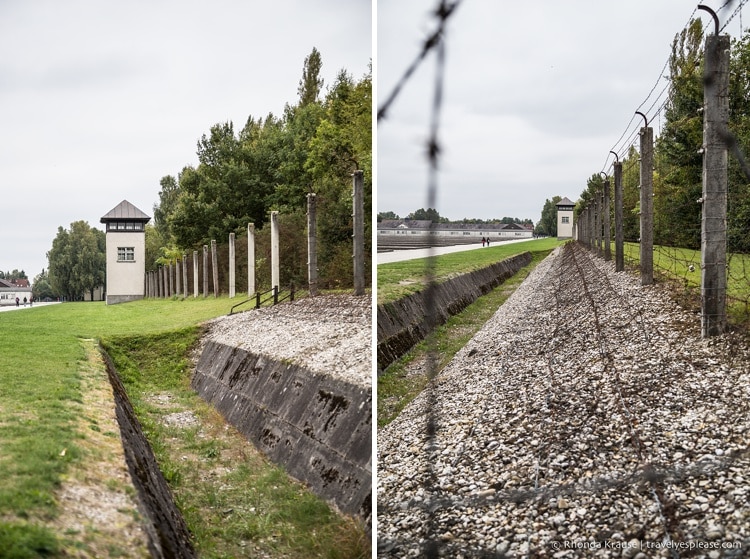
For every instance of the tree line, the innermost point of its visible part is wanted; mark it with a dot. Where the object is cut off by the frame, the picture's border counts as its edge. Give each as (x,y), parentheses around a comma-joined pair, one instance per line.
(678,160)
(270,164)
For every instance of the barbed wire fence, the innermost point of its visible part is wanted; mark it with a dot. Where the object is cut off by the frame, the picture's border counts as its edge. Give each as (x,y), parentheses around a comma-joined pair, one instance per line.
(679,263)
(678,259)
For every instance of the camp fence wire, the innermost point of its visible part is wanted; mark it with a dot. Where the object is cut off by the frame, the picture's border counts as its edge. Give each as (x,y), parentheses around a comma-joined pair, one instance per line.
(607,424)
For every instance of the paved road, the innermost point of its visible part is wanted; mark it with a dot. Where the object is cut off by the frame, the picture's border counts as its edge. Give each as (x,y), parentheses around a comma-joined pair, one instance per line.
(413,254)
(21,307)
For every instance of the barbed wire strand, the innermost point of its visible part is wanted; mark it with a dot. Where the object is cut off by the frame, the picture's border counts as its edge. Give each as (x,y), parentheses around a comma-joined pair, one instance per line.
(432,545)
(444,12)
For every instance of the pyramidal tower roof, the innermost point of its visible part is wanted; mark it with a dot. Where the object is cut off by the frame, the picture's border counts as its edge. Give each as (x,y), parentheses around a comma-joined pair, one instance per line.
(125,210)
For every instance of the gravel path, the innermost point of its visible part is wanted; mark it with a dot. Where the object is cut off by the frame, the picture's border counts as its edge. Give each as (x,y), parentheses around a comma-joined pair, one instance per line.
(328,334)
(586,419)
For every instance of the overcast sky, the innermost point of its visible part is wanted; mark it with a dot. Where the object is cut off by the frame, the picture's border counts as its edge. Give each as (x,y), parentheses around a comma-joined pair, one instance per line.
(99,100)
(536,95)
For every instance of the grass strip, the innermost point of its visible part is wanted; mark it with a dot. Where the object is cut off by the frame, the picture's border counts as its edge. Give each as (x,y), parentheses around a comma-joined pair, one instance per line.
(398,279)
(406,378)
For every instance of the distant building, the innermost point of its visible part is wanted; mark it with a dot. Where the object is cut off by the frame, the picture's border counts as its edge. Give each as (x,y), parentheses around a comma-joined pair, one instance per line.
(565,219)
(9,290)
(471,232)
(126,252)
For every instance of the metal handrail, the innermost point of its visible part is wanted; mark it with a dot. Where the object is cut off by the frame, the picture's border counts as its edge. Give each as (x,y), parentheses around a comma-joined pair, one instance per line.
(274,295)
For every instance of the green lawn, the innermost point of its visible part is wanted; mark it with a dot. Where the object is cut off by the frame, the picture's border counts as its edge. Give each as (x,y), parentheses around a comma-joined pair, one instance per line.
(399,279)
(674,264)
(41,356)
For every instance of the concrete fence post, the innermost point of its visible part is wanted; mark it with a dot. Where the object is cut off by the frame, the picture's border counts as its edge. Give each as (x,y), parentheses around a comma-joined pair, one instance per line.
(619,236)
(205,271)
(177,277)
(597,225)
(250,259)
(714,215)
(607,224)
(647,205)
(582,226)
(215,267)
(359,233)
(195,274)
(232,285)
(312,246)
(184,276)
(585,225)
(274,249)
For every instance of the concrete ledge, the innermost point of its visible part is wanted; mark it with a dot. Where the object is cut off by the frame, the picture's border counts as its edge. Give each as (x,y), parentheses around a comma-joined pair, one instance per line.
(317,427)
(115,299)
(403,323)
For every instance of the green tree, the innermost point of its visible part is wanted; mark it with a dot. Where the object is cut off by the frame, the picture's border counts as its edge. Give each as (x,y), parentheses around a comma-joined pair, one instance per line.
(387,215)
(41,288)
(77,261)
(14,275)
(429,214)
(272,164)
(163,211)
(677,157)
(738,212)
(342,144)
(155,242)
(547,224)
(631,195)
(311,83)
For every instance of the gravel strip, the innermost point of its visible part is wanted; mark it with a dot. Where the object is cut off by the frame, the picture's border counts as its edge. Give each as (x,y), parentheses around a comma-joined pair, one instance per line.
(586,419)
(328,334)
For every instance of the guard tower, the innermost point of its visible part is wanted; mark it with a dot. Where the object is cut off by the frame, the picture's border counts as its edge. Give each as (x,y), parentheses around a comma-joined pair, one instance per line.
(126,252)
(565,219)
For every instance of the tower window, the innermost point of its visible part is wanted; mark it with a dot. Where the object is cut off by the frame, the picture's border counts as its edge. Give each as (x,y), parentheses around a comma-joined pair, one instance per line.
(126,254)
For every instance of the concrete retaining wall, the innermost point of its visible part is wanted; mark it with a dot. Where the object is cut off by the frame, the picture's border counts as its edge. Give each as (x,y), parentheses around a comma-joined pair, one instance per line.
(403,323)
(318,427)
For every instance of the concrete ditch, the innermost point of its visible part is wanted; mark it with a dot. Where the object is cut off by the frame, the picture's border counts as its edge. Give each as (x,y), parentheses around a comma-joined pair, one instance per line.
(169,537)
(317,426)
(403,323)
(295,379)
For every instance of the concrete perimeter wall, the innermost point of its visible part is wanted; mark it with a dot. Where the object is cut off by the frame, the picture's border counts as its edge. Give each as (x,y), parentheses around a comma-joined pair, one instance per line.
(317,427)
(402,323)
